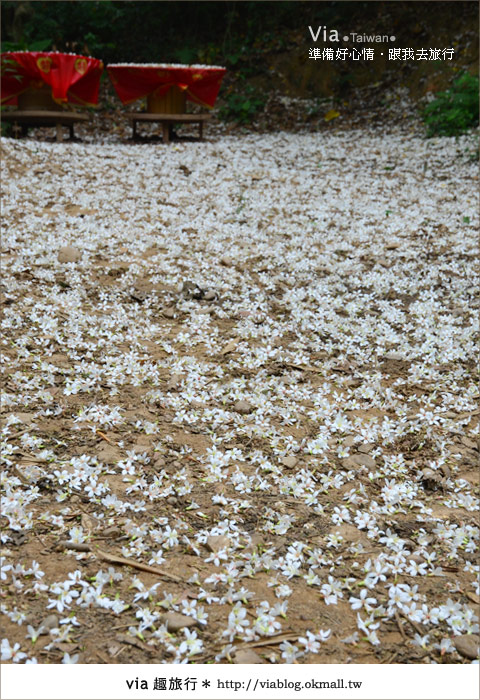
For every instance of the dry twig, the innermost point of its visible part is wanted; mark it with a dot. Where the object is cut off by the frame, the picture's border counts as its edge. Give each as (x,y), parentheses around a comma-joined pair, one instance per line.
(400,626)
(414,624)
(102,435)
(114,559)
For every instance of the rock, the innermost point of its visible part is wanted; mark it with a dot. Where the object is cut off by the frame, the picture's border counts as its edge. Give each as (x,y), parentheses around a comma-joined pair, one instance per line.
(359,460)
(210,295)
(349,441)
(172,501)
(469,443)
(68,254)
(174,382)
(247,656)
(243,407)
(112,531)
(445,469)
(430,478)
(290,462)
(467,645)
(139,295)
(226,261)
(215,543)
(113,649)
(176,621)
(169,312)
(396,356)
(364,461)
(49,623)
(366,448)
(192,290)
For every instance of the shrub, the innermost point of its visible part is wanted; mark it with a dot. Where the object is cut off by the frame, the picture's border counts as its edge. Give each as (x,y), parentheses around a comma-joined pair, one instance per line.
(242,107)
(454,111)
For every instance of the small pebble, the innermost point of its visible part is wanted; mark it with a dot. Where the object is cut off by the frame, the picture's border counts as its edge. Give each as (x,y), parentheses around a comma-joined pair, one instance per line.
(364,461)
(258,319)
(467,645)
(359,460)
(247,656)
(215,543)
(112,532)
(226,261)
(210,295)
(176,621)
(68,254)
(244,313)
(349,441)
(49,623)
(169,312)
(366,448)
(192,290)
(174,382)
(396,356)
(290,462)
(243,407)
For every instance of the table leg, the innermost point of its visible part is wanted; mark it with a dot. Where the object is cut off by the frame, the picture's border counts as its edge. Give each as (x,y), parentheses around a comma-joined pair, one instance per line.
(134,132)
(200,124)
(166,132)
(70,127)
(59,131)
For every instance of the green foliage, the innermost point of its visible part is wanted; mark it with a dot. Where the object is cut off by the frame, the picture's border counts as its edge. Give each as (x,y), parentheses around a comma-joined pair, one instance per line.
(242,107)
(454,111)
(39,45)
(6,128)
(81,27)
(185,54)
(116,30)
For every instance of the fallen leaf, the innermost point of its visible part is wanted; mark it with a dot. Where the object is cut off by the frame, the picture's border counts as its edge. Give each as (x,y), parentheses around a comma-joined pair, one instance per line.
(331,114)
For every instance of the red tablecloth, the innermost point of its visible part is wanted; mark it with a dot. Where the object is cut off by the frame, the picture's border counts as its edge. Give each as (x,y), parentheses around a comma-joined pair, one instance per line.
(133,81)
(72,78)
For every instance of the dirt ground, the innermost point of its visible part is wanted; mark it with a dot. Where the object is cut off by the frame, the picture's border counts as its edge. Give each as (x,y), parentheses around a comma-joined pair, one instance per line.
(240,386)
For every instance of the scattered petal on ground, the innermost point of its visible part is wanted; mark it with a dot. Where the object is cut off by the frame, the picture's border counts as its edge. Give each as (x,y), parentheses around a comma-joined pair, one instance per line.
(257,384)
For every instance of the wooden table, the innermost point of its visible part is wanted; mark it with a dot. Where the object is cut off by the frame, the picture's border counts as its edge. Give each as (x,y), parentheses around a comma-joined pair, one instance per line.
(40,117)
(167,121)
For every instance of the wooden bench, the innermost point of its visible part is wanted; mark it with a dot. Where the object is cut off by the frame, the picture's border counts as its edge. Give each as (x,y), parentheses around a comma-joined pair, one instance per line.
(41,117)
(167,121)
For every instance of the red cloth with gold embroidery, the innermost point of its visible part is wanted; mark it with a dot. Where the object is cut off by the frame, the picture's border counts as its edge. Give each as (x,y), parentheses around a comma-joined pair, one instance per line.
(72,78)
(200,83)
